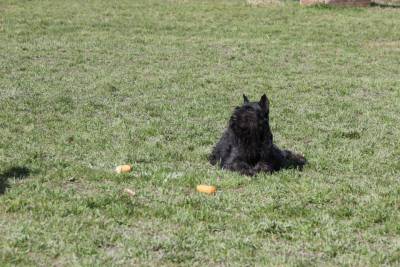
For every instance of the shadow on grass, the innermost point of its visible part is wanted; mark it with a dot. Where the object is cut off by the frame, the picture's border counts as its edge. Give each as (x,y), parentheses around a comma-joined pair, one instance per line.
(16,172)
(385,5)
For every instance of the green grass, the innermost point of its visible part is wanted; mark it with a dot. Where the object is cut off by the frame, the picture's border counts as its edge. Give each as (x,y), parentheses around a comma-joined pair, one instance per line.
(88,85)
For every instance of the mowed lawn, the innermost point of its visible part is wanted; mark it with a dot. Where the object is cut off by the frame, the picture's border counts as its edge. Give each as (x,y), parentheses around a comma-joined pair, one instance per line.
(89,85)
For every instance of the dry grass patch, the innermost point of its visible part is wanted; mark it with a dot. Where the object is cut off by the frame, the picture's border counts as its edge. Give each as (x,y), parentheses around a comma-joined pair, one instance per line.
(384,45)
(264,2)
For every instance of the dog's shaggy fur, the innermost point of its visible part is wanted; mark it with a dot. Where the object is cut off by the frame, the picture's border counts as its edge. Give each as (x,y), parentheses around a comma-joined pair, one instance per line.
(247,145)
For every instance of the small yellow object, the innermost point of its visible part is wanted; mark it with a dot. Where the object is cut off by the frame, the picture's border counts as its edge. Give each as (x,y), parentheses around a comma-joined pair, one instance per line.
(208,189)
(129,192)
(123,168)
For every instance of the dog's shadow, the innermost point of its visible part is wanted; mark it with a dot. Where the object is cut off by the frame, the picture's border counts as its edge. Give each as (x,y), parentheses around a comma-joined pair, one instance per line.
(16,172)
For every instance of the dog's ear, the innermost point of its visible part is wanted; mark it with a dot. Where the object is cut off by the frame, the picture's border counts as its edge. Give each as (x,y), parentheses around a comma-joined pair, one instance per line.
(264,102)
(245,99)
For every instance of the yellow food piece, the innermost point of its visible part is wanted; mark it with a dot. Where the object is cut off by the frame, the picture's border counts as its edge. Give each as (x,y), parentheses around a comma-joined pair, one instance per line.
(208,189)
(129,192)
(123,168)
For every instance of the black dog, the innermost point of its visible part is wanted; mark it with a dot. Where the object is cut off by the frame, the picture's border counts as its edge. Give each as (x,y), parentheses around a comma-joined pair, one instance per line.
(247,144)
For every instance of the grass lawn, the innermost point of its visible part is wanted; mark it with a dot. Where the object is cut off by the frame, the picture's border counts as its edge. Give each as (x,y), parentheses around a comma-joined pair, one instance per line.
(89,85)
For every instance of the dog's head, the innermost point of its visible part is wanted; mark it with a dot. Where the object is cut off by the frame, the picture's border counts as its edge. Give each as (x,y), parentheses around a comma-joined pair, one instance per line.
(251,120)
